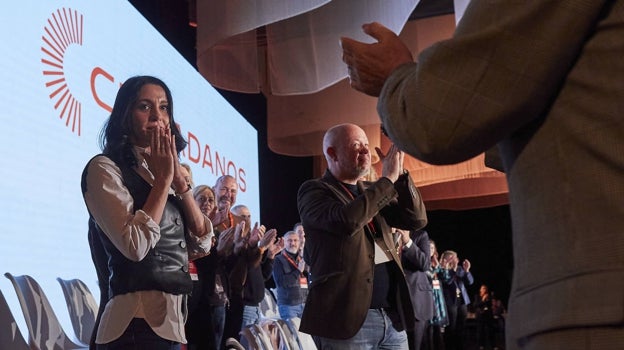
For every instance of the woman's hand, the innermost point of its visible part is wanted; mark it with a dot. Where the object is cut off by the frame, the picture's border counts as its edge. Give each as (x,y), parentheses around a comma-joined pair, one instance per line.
(161,156)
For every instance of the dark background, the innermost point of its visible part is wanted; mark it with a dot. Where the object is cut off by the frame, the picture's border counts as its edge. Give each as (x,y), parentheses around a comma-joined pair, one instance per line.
(482,236)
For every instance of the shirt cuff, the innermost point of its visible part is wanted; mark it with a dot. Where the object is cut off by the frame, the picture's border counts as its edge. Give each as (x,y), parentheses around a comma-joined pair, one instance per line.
(408,244)
(200,246)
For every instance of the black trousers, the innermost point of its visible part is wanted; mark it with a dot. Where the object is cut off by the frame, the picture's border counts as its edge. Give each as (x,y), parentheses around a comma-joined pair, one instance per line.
(139,336)
(416,335)
(454,333)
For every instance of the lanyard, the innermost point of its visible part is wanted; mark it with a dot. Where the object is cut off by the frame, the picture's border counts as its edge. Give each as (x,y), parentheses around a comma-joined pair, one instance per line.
(371,225)
(291,261)
(231,220)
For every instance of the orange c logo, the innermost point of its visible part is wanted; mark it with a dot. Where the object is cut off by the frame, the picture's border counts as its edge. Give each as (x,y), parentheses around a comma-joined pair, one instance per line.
(63,29)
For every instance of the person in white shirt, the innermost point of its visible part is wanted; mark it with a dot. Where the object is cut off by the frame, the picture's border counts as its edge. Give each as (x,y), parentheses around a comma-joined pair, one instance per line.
(144,222)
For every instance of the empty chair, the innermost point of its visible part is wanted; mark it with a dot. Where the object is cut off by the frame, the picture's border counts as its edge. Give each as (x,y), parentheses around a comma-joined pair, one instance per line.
(10,335)
(291,335)
(281,337)
(44,330)
(268,305)
(233,344)
(82,307)
(265,336)
(251,340)
(305,340)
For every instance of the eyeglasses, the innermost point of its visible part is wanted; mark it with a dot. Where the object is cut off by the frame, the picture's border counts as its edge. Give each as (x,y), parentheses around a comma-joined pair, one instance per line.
(204,199)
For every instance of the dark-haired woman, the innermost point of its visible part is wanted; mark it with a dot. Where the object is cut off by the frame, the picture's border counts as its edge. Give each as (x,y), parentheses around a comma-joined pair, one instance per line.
(144,222)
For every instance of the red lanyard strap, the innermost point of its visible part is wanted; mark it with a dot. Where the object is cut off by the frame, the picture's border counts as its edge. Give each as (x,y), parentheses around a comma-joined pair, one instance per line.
(291,261)
(370,224)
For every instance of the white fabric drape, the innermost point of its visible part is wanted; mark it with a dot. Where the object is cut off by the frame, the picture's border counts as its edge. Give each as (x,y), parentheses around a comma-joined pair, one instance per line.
(296,124)
(298,38)
(290,51)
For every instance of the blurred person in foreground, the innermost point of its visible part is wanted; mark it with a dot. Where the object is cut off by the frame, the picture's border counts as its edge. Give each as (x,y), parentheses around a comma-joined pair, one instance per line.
(543,80)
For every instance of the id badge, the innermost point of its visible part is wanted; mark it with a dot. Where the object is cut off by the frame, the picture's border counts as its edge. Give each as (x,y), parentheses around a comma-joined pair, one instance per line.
(303,282)
(193,271)
(436,284)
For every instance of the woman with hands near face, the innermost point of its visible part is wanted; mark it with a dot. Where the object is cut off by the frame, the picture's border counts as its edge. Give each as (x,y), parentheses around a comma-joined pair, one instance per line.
(141,209)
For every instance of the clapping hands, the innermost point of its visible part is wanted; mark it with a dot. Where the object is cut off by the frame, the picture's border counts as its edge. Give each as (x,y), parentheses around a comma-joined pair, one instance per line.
(369,65)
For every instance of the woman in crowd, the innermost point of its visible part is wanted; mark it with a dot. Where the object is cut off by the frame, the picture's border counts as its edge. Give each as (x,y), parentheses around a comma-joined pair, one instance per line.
(207,307)
(484,315)
(144,222)
(434,335)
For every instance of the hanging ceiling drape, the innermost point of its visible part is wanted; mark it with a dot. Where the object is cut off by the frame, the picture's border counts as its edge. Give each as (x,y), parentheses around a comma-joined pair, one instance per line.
(299,39)
(290,51)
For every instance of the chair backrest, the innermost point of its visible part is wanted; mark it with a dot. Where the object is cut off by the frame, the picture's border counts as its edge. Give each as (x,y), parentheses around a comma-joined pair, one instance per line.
(10,335)
(82,307)
(268,305)
(263,336)
(290,334)
(44,329)
(249,340)
(233,344)
(281,337)
(305,340)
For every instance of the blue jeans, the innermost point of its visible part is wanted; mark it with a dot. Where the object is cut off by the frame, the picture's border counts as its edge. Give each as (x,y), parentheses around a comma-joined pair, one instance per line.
(290,311)
(251,315)
(218,322)
(139,336)
(377,332)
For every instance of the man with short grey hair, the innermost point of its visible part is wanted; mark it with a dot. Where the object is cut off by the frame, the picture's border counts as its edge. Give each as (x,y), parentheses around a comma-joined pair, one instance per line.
(290,277)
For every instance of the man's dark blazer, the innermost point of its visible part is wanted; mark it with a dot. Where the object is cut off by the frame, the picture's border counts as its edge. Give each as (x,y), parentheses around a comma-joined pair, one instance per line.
(341,253)
(453,280)
(416,260)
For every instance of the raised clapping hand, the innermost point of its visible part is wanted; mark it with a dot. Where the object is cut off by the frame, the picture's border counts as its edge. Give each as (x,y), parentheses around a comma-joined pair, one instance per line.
(218,216)
(266,239)
(179,183)
(466,265)
(257,233)
(161,155)
(405,236)
(392,162)
(301,265)
(240,238)
(369,65)
(225,246)
(275,247)
(434,261)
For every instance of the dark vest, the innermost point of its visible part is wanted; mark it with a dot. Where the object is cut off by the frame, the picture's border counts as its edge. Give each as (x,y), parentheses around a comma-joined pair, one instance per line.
(290,292)
(164,268)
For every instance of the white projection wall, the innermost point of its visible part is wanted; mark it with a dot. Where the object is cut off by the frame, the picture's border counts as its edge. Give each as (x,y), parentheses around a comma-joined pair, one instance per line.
(61,65)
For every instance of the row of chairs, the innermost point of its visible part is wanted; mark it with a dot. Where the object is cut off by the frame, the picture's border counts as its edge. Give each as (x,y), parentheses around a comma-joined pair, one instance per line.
(46,333)
(274,333)
(44,329)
